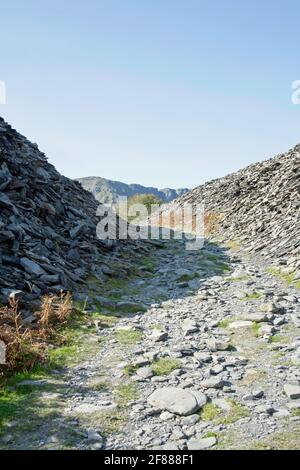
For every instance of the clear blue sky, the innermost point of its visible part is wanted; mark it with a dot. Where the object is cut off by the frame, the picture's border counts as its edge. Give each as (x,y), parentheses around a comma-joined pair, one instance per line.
(159,92)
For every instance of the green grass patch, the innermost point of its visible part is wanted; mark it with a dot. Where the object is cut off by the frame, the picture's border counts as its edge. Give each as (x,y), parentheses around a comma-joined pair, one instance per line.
(210,434)
(224,267)
(278,339)
(79,343)
(255,329)
(104,321)
(287,278)
(157,326)
(126,393)
(224,323)
(149,263)
(254,296)
(209,412)
(23,403)
(130,370)
(232,245)
(128,337)
(165,366)
(237,412)
(109,422)
(285,440)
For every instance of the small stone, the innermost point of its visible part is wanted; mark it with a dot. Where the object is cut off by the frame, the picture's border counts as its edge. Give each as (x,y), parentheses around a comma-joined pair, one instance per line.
(238,325)
(203,357)
(166,416)
(145,372)
(189,326)
(256,317)
(171,446)
(97,446)
(266,409)
(31,267)
(190,420)
(94,436)
(292,391)
(212,382)
(258,393)
(222,404)
(7,439)
(267,330)
(176,400)
(218,345)
(281,413)
(270,307)
(201,444)
(216,369)
(158,335)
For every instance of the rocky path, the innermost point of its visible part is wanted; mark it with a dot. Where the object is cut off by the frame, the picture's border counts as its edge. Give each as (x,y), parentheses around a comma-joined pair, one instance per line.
(210,360)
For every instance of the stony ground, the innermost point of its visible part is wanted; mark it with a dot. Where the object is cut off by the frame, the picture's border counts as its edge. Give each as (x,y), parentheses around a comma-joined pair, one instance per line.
(210,359)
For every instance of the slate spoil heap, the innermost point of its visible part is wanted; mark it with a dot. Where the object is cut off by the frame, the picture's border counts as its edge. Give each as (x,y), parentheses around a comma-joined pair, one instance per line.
(47,224)
(258,206)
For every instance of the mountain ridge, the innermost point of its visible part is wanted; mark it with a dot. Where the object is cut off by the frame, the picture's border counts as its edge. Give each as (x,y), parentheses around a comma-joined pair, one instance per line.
(107,191)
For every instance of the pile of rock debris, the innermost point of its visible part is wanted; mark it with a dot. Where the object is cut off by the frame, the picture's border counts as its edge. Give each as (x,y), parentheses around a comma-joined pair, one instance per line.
(47,224)
(258,206)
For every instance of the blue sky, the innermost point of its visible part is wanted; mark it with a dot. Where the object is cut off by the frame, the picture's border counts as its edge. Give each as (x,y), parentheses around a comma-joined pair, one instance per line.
(157,92)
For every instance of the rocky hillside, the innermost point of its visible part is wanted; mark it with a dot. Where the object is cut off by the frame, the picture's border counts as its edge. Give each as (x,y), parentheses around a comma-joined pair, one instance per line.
(258,206)
(107,191)
(47,224)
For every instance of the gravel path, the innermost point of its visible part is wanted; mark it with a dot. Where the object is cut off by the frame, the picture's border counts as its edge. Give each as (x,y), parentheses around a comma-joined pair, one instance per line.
(213,363)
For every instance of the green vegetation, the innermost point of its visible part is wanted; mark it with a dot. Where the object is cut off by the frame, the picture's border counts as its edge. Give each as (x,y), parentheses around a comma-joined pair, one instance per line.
(236,413)
(165,366)
(278,339)
(238,279)
(99,384)
(258,445)
(104,321)
(223,267)
(210,434)
(255,329)
(209,412)
(130,369)
(157,326)
(21,403)
(253,296)
(289,278)
(224,323)
(187,277)
(146,200)
(286,440)
(109,422)
(128,337)
(75,346)
(232,245)
(253,376)
(126,393)
(149,263)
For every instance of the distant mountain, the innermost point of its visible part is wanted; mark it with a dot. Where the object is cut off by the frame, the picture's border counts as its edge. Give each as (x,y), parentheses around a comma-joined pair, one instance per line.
(107,191)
